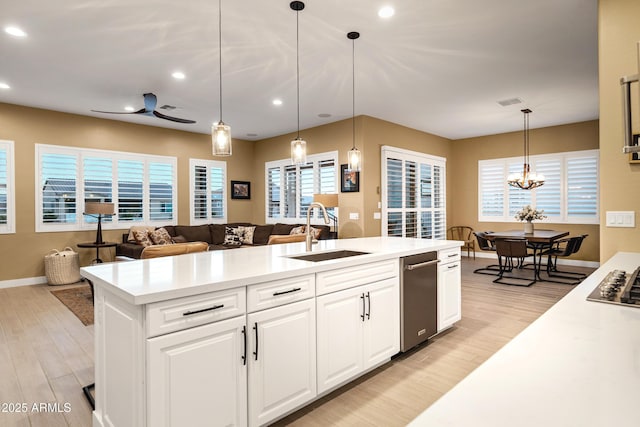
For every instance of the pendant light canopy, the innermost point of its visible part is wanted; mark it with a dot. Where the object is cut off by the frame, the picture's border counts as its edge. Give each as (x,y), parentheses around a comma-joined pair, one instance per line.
(298,145)
(354,159)
(526,180)
(220,132)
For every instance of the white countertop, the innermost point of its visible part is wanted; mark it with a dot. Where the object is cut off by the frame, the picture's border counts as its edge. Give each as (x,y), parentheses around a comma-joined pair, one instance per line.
(157,279)
(577,365)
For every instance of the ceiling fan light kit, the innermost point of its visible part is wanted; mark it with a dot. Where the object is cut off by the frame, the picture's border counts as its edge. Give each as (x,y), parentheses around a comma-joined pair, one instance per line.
(220,132)
(298,145)
(526,180)
(354,156)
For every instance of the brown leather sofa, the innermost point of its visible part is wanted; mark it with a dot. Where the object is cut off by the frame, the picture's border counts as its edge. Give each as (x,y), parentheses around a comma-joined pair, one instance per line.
(214,235)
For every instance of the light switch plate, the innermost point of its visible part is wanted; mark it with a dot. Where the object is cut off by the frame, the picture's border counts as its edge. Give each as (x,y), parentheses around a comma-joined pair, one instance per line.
(623,219)
(354,215)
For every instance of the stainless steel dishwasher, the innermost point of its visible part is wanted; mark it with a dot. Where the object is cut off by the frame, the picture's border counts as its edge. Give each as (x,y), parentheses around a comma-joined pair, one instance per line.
(418,299)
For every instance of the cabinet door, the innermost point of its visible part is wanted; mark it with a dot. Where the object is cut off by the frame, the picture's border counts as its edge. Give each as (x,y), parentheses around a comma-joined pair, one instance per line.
(340,336)
(282,360)
(197,377)
(382,323)
(449,295)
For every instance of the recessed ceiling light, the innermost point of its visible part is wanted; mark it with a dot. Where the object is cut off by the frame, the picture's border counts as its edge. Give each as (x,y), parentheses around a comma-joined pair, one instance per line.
(178,75)
(386,12)
(277,102)
(129,108)
(4,86)
(15,31)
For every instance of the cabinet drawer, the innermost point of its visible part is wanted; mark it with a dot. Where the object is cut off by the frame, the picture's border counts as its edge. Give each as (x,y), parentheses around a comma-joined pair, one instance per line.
(345,278)
(279,292)
(182,313)
(449,255)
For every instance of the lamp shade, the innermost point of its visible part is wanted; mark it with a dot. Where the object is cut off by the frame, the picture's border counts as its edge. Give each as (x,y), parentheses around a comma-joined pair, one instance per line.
(98,208)
(328,200)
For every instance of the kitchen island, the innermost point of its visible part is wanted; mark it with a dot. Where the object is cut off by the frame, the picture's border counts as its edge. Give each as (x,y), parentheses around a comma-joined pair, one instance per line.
(244,337)
(578,365)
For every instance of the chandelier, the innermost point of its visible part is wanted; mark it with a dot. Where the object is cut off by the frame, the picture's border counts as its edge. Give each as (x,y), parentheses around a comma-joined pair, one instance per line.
(526,179)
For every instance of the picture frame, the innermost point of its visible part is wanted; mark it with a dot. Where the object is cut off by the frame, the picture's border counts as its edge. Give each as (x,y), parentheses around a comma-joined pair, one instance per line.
(349,181)
(241,190)
(635,157)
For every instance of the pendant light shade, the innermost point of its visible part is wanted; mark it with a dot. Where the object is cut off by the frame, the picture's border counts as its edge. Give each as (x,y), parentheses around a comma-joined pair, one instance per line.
(354,156)
(298,145)
(526,180)
(220,132)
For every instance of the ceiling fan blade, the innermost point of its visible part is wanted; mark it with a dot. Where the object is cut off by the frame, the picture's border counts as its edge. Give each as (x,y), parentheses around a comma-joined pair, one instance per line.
(120,112)
(150,102)
(173,119)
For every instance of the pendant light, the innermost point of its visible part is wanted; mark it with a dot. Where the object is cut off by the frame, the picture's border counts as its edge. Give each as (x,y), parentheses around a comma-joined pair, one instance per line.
(298,145)
(220,132)
(354,156)
(526,180)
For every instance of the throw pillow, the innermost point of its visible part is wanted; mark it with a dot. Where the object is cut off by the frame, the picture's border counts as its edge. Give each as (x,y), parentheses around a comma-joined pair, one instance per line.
(315,232)
(297,230)
(141,237)
(246,234)
(231,237)
(161,237)
(179,239)
(131,238)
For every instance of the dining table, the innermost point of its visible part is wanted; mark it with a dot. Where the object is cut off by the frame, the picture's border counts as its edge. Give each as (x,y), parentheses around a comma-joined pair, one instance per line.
(538,241)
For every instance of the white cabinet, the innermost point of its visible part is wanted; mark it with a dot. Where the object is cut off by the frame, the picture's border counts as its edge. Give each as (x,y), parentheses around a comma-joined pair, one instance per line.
(198,376)
(282,360)
(449,289)
(357,329)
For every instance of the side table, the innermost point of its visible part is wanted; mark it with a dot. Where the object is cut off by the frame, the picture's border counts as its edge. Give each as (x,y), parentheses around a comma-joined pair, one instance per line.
(97,246)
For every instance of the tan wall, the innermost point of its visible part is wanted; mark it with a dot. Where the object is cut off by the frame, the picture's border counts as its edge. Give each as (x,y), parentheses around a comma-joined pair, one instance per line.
(371,135)
(21,254)
(378,133)
(463,173)
(618,34)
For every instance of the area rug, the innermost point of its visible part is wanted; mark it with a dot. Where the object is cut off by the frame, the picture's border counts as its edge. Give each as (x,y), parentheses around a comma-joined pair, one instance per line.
(79,300)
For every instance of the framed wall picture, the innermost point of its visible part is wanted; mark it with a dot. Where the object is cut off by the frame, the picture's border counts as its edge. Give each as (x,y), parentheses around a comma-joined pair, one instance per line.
(349,180)
(634,157)
(240,190)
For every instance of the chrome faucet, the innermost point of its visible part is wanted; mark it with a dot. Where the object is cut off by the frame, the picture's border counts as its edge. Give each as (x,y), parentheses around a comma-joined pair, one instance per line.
(309,239)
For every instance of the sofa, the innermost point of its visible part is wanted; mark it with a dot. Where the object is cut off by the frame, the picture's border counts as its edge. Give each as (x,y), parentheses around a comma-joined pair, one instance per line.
(217,236)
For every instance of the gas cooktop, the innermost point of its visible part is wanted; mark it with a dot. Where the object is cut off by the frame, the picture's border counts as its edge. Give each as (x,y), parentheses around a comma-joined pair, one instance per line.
(618,288)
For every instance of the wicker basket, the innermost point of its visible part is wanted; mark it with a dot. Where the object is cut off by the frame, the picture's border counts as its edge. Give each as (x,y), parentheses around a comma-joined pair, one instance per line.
(62,267)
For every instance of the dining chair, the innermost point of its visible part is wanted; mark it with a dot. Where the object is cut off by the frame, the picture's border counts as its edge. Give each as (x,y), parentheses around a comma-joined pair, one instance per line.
(509,250)
(486,245)
(463,233)
(563,248)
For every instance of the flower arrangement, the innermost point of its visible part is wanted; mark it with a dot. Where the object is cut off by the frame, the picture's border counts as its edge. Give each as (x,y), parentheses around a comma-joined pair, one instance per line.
(529,214)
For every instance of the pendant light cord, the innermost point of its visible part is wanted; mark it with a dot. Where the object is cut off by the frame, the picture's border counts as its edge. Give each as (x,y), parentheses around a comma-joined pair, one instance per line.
(353,90)
(220,51)
(298,69)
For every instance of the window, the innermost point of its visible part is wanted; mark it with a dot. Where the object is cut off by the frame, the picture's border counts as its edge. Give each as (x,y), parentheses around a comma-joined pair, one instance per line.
(142,187)
(569,194)
(413,198)
(208,191)
(290,188)
(7,189)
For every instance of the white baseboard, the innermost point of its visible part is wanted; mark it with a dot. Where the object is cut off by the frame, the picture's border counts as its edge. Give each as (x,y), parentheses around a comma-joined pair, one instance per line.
(23,282)
(561,261)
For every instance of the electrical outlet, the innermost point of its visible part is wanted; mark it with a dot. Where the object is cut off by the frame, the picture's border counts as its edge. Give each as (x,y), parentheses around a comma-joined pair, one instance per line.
(376,215)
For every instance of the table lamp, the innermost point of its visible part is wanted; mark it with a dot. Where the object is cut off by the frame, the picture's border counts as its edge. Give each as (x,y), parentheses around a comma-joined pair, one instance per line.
(98,209)
(329,201)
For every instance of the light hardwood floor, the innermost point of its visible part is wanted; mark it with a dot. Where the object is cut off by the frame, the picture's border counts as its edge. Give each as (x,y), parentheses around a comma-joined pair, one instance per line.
(46,356)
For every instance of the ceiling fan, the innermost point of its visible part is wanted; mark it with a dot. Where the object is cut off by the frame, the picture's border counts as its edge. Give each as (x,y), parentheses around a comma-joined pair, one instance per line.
(150,102)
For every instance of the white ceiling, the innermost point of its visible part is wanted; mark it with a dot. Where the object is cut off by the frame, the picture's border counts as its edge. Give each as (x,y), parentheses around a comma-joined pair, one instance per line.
(439,66)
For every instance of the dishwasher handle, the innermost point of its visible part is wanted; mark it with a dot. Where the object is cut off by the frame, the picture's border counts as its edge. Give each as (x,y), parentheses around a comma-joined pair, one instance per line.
(420,265)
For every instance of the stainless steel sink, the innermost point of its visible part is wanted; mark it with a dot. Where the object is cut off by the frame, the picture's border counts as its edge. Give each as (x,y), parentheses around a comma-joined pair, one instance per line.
(325,256)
